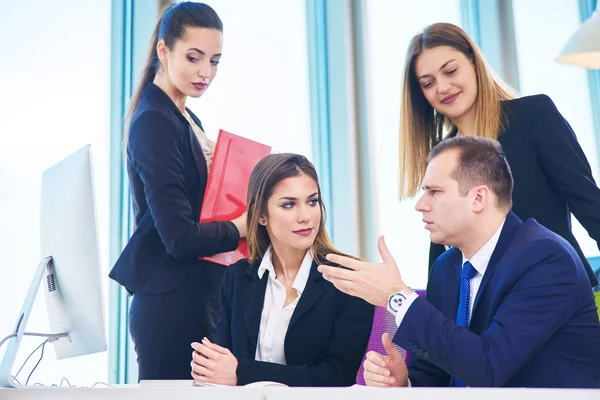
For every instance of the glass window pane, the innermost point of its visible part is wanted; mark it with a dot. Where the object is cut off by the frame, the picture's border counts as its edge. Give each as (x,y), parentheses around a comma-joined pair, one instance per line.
(390,26)
(55,96)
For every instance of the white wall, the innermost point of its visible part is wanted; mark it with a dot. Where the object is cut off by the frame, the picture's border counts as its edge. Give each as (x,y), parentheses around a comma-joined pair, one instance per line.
(261,90)
(541,33)
(54,98)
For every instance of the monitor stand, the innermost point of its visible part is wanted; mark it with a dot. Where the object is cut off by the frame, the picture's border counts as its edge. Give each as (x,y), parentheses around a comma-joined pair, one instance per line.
(6,380)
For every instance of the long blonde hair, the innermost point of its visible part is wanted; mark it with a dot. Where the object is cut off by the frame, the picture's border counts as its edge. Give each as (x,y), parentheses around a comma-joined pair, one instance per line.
(421,127)
(266,175)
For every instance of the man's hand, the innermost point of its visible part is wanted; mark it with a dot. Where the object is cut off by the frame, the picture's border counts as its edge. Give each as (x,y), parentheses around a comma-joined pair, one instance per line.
(213,364)
(386,371)
(369,281)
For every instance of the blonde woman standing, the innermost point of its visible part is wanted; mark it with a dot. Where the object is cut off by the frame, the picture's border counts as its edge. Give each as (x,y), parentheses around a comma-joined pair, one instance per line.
(449,88)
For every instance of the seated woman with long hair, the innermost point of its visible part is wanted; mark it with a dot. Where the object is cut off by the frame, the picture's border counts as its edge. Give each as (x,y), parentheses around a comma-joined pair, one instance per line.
(280,320)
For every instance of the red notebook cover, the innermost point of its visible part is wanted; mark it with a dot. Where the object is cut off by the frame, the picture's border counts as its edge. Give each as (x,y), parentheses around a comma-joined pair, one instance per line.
(227,187)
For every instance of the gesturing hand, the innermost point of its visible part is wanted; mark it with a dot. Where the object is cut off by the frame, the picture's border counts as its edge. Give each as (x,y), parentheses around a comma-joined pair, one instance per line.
(369,281)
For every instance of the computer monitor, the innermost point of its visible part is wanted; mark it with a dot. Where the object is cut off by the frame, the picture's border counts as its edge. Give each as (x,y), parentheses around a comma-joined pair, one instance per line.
(70,270)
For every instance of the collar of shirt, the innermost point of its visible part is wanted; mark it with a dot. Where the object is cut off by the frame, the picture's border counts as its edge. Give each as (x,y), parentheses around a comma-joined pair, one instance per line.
(301,277)
(481,259)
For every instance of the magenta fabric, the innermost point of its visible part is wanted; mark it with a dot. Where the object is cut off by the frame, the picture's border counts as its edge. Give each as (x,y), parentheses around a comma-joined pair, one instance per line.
(383,322)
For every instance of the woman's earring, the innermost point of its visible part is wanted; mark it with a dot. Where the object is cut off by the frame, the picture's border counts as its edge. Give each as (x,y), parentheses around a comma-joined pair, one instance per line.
(262,222)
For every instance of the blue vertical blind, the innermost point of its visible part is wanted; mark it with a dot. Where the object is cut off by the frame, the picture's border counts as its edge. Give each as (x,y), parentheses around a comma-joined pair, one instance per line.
(132,25)
(333,115)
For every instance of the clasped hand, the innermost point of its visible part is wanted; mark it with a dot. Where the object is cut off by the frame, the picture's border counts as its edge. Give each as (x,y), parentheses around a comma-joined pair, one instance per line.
(212,363)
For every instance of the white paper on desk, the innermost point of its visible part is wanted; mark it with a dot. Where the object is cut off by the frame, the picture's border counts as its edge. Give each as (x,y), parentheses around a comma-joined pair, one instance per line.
(206,384)
(266,384)
(253,384)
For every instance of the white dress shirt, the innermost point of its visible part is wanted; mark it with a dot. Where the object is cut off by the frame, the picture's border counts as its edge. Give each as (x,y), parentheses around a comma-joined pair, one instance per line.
(480,261)
(275,318)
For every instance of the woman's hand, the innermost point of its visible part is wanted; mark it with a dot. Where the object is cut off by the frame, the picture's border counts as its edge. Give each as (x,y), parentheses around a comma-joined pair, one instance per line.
(212,363)
(240,224)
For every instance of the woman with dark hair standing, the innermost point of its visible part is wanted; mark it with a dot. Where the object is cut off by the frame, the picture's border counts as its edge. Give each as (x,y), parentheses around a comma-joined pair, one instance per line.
(175,295)
(449,86)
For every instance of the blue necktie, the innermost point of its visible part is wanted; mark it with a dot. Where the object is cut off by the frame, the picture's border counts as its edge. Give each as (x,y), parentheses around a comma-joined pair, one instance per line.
(462,314)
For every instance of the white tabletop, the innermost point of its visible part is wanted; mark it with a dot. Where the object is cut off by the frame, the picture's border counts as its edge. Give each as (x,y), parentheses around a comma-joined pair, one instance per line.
(134,392)
(173,392)
(361,392)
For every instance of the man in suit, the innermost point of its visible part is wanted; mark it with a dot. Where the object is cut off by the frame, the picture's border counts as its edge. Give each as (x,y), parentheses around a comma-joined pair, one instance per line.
(508,305)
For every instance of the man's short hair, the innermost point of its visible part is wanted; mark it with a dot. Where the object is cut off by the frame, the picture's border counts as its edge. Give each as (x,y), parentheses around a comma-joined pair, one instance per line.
(481,161)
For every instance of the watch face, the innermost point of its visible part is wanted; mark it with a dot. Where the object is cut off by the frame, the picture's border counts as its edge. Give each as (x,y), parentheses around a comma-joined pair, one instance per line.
(396,301)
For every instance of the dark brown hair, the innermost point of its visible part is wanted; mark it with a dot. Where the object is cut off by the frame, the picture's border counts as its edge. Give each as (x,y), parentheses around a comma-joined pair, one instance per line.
(170,27)
(481,161)
(269,171)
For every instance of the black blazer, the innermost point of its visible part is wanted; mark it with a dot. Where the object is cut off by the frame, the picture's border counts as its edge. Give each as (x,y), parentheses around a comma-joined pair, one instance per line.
(326,339)
(167,175)
(552,175)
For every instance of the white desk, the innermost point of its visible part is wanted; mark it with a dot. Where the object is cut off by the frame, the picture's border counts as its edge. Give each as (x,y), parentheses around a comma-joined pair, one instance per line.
(360,393)
(134,392)
(239,393)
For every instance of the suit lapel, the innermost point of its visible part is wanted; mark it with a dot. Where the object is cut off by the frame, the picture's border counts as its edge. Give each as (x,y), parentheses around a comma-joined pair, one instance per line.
(152,90)
(198,154)
(511,226)
(451,292)
(198,158)
(253,298)
(316,286)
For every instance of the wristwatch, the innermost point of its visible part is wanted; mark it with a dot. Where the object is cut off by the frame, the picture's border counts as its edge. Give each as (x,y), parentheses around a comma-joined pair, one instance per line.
(396,300)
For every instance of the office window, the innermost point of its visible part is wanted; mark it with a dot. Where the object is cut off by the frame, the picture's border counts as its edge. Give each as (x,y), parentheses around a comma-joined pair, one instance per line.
(55,96)
(390,26)
(541,33)
(261,89)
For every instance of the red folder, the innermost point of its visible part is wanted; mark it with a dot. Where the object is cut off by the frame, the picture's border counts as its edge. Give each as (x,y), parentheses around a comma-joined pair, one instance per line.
(227,188)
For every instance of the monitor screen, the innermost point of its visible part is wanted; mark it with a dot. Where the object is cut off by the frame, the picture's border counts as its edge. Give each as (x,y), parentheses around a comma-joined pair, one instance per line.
(69,272)
(68,233)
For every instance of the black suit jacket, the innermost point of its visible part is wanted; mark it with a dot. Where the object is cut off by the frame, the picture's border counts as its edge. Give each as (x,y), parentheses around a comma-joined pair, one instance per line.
(534,321)
(167,175)
(552,175)
(326,339)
